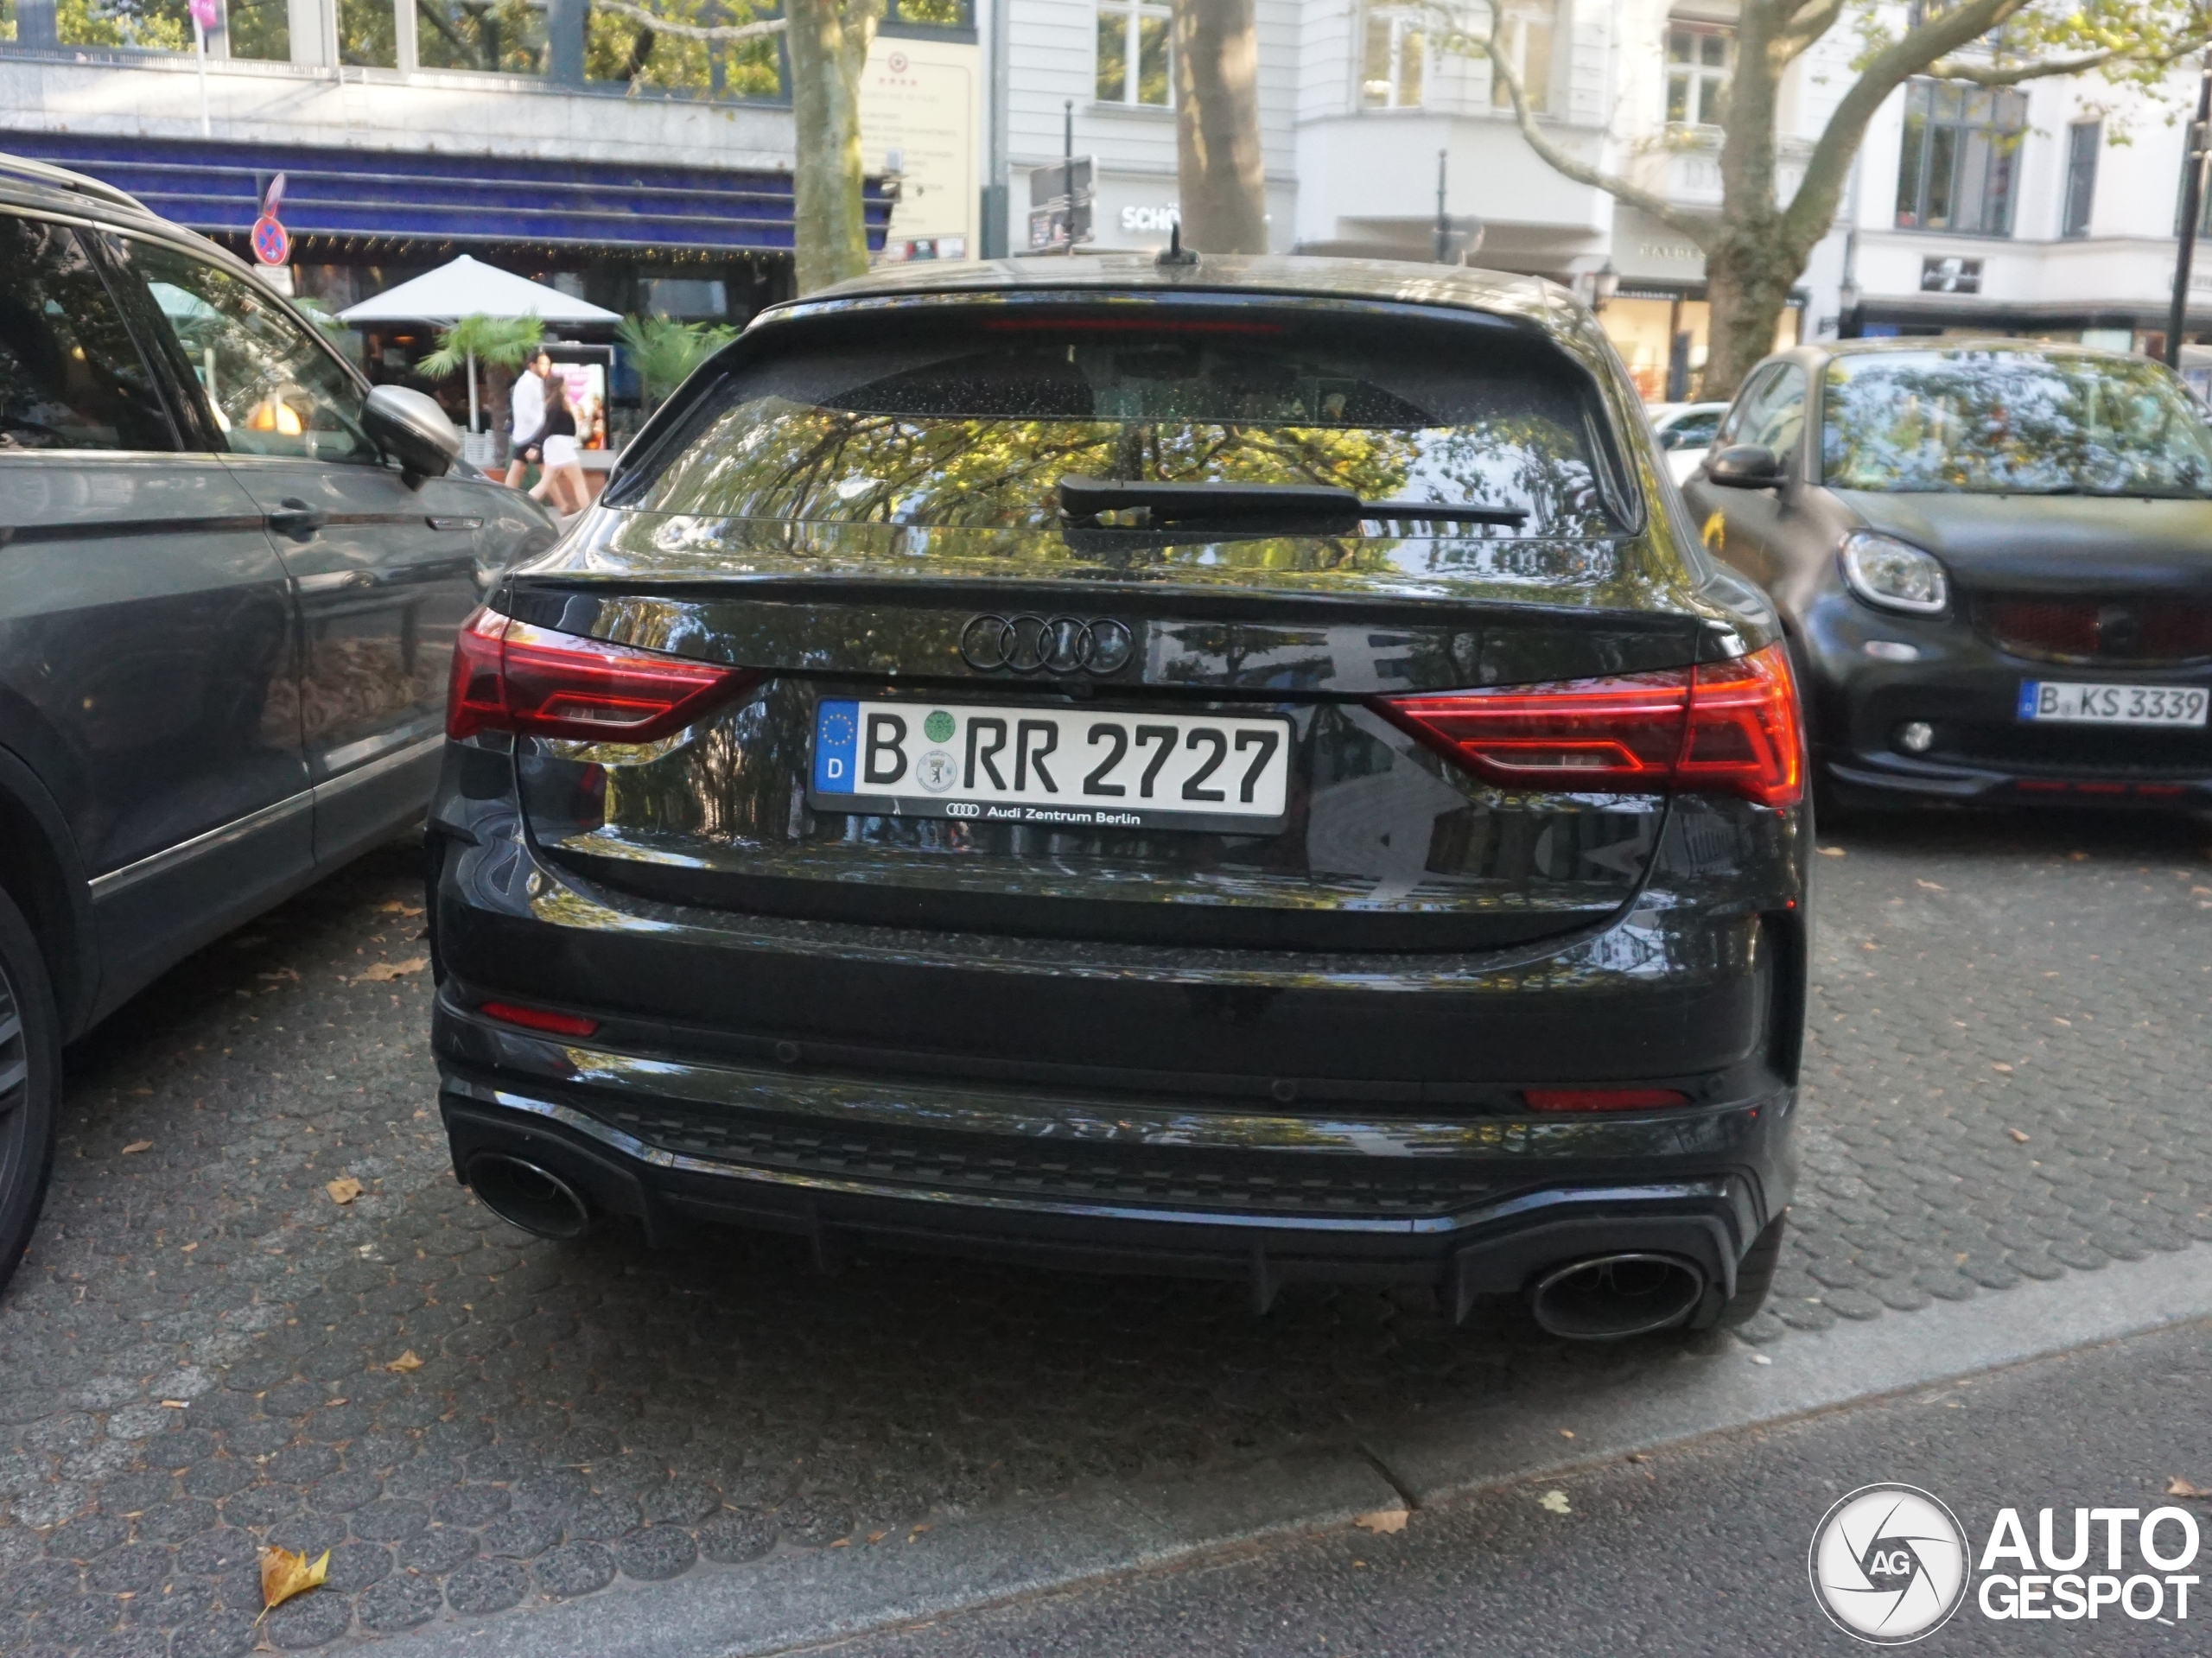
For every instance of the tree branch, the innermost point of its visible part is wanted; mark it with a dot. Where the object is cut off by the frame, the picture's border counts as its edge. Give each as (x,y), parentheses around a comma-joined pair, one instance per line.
(692,31)
(1812,208)
(2013,74)
(1807,23)
(1699,227)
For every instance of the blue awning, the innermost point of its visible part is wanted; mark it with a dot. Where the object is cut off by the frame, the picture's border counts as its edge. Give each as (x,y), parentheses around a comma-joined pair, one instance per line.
(412,196)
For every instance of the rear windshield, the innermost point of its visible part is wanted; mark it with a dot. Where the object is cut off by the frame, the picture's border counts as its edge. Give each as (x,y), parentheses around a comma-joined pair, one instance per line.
(975,427)
(1991,422)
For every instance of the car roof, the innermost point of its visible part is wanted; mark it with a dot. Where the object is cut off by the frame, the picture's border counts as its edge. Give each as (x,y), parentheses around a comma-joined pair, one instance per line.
(64,187)
(1298,275)
(1948,345)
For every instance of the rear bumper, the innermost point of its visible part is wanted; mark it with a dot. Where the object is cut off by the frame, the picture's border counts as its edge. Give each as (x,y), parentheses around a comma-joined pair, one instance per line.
(1473,1207)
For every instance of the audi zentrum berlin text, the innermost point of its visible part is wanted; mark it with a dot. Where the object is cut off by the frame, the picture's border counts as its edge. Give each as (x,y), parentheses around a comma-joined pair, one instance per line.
(1239,767)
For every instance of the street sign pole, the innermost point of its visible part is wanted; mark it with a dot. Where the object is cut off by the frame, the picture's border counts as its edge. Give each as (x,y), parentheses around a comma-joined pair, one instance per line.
(2192,207)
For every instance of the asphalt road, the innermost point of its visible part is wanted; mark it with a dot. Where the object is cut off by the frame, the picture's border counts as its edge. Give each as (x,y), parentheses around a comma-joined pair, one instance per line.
(206,1350)
(1699,1551)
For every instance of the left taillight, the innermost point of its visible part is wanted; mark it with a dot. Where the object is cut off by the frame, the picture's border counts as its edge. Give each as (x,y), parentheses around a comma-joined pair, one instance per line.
(1727,727)
(510,675)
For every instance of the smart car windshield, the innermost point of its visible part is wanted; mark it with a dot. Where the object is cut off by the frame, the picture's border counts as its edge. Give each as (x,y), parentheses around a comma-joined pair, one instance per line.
(1989,422)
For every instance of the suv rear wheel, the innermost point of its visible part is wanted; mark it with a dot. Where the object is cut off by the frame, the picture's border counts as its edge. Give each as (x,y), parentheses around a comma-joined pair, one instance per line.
(30,1085)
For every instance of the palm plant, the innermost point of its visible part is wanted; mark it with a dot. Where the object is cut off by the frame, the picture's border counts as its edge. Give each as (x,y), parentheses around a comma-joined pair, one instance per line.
(665,351)
(506,341)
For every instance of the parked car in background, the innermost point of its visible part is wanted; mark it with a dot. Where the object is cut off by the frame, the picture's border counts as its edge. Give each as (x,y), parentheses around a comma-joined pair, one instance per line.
(230,574)
(1224,768)
(1685,431)
(1995,562)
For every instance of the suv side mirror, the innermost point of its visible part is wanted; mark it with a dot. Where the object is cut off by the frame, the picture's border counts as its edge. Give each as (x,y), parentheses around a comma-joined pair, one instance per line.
(1745,465)
(409,425)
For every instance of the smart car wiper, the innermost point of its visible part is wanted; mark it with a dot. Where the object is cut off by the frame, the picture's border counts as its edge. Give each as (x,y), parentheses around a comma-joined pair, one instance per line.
(1301,504)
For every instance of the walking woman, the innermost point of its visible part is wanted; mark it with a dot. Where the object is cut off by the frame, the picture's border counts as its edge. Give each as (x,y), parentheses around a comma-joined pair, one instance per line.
(529,406)
(564,483)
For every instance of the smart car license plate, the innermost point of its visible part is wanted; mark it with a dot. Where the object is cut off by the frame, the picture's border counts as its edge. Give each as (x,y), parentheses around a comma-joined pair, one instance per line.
(1078,768)
(2063,702)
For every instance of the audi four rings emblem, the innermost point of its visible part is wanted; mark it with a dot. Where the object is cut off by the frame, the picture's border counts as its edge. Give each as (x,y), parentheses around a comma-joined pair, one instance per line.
(1029,644)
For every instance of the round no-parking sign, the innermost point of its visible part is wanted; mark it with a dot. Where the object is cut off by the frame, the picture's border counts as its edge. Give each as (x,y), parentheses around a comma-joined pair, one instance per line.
(272,244)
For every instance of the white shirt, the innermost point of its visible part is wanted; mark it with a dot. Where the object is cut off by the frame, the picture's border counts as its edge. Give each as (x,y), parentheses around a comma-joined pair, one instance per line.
(529,406)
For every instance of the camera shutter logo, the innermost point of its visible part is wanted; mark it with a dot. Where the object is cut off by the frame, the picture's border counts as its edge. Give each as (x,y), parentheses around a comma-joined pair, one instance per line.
(1889,1565)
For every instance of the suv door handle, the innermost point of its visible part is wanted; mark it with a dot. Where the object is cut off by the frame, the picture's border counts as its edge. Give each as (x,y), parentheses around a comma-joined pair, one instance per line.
(295,518)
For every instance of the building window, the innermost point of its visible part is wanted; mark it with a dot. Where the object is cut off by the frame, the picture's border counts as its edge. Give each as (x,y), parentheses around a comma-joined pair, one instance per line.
(1524,31)
(1133,60)
(1699,58)
(154,25)
(505,37)
(1391,65)
(618,47)
(2083,140)
(1960,158)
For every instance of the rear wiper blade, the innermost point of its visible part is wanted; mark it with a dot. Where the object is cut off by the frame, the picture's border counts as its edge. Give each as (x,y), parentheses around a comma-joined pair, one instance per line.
(1170,504)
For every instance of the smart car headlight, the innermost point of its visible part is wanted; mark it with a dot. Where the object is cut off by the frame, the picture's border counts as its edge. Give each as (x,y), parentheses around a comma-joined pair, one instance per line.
(1894,575)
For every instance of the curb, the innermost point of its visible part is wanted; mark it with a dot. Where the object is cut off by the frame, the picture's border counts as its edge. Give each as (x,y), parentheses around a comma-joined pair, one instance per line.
(802,1599)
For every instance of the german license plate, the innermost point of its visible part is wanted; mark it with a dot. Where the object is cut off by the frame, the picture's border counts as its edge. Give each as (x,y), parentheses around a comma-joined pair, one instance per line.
(1078,768)
(2065,702)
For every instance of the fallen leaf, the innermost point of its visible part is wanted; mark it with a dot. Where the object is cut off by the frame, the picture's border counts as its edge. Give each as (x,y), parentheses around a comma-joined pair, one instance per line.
(137,1145)
(1929,884)
(385,972)
(176,1404)
(1567,1433)
(2179,1487)
(284,1574)
(344,1189)
(877,1536)
(1870,945)
(1832,852)
(843,1542)
(393,907)
(1554,1500)
(405,1363)
(1761,1358)
(143,1090)
(1998,1064)
(1382,1521)
(2078,856)
(281,972)
(2019,1137)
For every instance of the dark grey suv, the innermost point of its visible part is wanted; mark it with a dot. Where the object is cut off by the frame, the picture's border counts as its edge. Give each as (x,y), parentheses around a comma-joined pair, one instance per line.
(229,578)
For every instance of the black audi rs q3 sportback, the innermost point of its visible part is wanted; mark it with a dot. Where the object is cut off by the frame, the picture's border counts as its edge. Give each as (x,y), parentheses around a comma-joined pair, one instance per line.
(1239,768)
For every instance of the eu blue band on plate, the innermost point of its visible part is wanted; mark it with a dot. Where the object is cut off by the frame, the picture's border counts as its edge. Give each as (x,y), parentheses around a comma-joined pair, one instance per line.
(836,740)
(2028,690)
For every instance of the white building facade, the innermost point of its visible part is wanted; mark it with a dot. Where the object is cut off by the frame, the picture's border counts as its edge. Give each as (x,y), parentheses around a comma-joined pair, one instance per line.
(2049,210)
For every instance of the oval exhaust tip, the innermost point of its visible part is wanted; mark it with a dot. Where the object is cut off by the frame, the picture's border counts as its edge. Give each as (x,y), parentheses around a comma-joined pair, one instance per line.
(523,1195)
(1606,1298)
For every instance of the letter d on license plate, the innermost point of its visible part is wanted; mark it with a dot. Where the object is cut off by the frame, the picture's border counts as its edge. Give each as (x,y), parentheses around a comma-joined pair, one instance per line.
(1077,768)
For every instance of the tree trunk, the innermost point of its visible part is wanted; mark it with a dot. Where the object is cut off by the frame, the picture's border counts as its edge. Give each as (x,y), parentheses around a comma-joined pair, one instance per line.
(829,41)
(1220,173)
(1747,284)
(1748,269)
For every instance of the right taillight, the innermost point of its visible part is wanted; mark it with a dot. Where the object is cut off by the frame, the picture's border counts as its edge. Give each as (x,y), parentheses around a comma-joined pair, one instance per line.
(510,675)
(1722,727)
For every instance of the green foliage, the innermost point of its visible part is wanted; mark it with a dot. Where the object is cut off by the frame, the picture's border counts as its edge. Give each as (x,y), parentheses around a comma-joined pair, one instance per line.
(504,340)
(158,25)
(664,351)
(621,47)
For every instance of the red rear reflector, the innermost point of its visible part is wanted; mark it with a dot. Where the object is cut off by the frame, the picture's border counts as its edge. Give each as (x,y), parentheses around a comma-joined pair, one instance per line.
(509,676)
(538,1019)
(1725,727)
(1602,1099)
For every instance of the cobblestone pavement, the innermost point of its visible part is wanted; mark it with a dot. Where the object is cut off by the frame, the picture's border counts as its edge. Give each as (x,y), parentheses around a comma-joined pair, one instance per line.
(207,1351)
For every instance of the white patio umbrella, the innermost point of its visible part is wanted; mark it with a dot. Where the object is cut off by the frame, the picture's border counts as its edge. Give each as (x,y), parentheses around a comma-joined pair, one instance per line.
(468,287)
